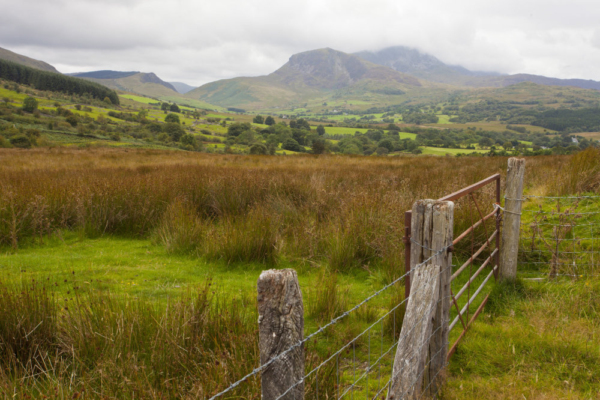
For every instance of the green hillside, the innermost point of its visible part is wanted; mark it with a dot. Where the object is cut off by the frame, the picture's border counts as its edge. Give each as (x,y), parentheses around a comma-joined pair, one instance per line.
(29,62)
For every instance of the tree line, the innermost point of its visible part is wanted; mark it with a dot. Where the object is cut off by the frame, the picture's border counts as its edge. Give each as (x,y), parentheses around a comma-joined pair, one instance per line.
(43,80)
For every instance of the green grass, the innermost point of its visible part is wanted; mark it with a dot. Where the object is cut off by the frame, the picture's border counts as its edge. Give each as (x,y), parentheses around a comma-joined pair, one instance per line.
(438,151)
(444,119)
(140,99)
(128,269)
(536,340)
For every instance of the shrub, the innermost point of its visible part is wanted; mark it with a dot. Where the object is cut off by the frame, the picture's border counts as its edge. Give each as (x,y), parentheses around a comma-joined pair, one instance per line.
(30,104)
(72,120)
(21,141)
(258,149)
(174,118)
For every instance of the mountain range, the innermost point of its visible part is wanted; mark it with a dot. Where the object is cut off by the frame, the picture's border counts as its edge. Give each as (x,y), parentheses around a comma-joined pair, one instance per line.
(394,74)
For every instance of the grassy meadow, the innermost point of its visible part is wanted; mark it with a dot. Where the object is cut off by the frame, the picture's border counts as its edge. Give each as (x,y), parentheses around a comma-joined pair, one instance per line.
(132,273)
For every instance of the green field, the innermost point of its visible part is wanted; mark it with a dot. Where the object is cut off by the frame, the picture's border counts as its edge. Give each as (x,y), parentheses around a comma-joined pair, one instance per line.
(140,99)
(438,151)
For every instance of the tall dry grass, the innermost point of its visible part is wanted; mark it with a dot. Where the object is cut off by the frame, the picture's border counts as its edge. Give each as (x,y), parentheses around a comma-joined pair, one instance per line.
(97,345)
(345,211)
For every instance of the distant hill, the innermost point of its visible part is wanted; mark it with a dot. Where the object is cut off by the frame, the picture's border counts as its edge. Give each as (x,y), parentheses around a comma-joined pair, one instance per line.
(29,62)
(307,75)
(426,66)
(106,74)
(181,87)
(147,84)
(508,80)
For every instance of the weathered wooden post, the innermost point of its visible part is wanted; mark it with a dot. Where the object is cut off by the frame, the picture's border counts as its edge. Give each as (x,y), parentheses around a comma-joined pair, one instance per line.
(442,237)
(281,325)
(425,326)
(509,250)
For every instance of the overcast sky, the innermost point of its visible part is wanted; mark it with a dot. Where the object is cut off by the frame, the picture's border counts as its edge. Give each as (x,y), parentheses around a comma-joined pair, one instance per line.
(198,41)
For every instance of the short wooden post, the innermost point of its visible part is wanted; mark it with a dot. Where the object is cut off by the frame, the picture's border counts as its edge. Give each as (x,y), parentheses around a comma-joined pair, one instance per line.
(431,231)
(281,325)
(509,250)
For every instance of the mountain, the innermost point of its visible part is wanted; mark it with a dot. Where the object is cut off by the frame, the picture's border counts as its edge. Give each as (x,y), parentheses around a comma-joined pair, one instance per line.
(147,84)
(422,65)
(29,62)
(307,75)
(426,66)
(181,87)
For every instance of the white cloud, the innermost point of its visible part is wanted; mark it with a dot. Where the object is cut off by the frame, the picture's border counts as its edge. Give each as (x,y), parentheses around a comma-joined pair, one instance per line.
(198,41)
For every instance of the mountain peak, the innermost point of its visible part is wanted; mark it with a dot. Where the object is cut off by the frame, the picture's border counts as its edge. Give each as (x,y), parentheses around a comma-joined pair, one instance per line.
(402,58)
(422,65)
(331,69)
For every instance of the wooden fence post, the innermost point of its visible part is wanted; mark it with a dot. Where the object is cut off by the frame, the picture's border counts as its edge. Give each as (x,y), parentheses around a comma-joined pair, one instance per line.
(281,325)
(409,363)
(509,250)
(442,237)
(425,326)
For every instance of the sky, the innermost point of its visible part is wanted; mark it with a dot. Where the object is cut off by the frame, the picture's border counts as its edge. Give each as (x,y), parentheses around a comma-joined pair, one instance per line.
(199,41)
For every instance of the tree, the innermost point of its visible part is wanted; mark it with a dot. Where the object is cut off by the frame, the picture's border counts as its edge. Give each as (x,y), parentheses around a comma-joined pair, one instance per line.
(237,128)
(302,124)
(258,119)
(174,108)
(291,144)
(320,130)
(387,144)
(30,104)
(174,118)
(175,131)
(269,120)
(485,142)
(164,107)
(318,146)
(190,140)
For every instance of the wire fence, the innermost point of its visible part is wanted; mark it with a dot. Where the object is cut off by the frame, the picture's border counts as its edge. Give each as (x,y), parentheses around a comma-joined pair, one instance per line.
(361,364)
(560,237)
(373,376)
